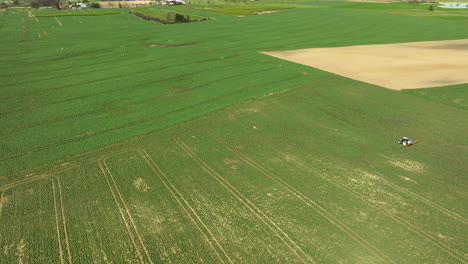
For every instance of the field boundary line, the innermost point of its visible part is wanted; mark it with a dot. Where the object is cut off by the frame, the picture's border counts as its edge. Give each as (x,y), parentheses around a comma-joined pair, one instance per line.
(125,222)
(453,252)
(309,202)
(77,20)
(23,28)
(247,203)
(1,203)
(57,226)
(58,22)
(178,197)
(103,160)
(64,223)
(26,180)
(55,205)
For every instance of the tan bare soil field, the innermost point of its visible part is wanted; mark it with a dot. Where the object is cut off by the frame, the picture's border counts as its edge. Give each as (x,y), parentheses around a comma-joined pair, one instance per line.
(395,66)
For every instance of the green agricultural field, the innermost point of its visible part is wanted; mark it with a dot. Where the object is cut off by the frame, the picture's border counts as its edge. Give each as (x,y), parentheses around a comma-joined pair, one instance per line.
(128,141)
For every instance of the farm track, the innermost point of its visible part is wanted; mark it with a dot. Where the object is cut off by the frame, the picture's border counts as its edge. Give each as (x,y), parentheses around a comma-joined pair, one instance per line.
(306,200)
(428,237)
(61,226)
(124,213)
(63,221)
(1,202)
(213,243)
(58,21)
(25,180)
(59,215)
(248,204)
(57,225)
(190,211)
(415,229)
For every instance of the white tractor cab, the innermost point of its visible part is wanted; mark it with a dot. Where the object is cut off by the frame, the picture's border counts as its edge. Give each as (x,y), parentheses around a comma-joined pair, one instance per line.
(405,141)
(175,2)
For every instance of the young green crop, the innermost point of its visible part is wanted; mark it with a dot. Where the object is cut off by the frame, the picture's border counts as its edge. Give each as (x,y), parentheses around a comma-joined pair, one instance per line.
(123,140)
(131,77)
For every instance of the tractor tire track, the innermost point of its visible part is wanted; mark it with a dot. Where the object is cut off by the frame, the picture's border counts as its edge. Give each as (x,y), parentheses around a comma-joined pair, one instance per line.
(451,251)
(121,211)
(1,203)
(429,203)
(186,207)
(132,222)
(63,222)
(248,204)
(57,221)
(309,202)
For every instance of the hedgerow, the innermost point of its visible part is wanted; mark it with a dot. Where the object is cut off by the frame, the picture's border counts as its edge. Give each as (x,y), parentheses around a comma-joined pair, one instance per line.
(163,16)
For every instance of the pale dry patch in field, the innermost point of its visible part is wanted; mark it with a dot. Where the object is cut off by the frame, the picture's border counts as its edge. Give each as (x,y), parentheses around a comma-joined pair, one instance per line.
(395,66)
(20,251)
(141,185)
(409,165)
(407,179)
(231,163)
(267,12)
(460,101)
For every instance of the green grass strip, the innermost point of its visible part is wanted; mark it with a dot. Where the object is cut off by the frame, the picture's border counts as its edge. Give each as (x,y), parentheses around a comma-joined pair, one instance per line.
(78,14)
(238,10)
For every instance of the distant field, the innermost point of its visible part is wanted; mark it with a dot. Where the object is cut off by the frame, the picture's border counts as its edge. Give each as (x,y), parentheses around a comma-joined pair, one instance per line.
(128,141)
(62,14)
(395,66)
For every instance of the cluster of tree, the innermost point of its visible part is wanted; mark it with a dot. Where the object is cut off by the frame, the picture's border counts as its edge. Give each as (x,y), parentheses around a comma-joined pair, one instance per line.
(53,3)
(13,3)
(57,4)
(170,18)
(146,17)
